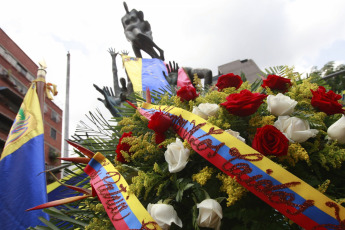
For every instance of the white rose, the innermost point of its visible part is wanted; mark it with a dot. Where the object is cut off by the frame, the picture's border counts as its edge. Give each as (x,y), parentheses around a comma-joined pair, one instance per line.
(164,215)
(210,214)
(280,105)
(177,156)
(235,134)
(295,129)
(206,110)
(337,130)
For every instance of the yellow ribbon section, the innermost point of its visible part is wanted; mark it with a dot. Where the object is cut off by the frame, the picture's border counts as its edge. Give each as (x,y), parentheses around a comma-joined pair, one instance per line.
(133,68)
(50,89)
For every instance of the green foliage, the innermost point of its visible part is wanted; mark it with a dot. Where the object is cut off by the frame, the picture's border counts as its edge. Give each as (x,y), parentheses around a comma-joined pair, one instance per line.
(276,70)
(335,83)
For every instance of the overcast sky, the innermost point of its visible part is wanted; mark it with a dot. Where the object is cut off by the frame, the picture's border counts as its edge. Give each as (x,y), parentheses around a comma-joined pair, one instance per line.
(197,33)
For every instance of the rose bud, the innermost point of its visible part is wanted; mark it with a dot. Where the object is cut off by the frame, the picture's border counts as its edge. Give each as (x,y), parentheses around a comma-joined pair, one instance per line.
(177,156)
(337,130)
(210,214)
(280,105)
(164,215)
(229,80)
(205,110)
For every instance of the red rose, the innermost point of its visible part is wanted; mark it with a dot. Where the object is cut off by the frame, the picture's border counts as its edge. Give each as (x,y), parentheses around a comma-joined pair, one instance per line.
(159,122)
(244,103)
(326,102)
(187,93)
(275,82)
(229,80)
(122,146)
(269,140)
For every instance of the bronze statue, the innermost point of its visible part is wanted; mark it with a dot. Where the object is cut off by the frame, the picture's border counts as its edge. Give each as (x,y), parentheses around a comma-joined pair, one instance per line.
(125,90)
(172,73)
(138,32)
(202,73)
(111,99)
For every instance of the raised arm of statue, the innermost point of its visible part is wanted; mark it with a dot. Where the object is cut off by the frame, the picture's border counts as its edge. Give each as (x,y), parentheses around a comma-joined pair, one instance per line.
(113,54)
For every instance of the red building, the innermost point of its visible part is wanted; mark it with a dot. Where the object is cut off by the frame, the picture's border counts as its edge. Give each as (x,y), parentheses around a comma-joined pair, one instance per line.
(17,71)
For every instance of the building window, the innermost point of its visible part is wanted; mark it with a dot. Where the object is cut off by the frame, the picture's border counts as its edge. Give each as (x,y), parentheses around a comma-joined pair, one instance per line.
(2,51)
(54,116)
(3,70)
(21,69)
(20,87)
(30,76)
(11,59)
(53,133)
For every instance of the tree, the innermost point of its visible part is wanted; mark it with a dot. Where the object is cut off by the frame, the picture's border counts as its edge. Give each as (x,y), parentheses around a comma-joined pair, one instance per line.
(335,83)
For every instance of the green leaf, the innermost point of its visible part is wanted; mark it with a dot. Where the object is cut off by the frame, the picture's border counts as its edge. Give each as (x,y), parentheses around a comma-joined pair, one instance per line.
(59,215)
(48,223)
(195,218)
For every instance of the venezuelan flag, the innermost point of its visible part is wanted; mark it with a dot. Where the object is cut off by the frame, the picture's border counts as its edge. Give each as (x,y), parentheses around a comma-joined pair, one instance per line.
(23,185)
(145,73)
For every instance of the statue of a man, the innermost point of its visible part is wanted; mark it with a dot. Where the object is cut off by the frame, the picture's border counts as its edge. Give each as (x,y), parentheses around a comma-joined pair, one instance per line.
(138,32)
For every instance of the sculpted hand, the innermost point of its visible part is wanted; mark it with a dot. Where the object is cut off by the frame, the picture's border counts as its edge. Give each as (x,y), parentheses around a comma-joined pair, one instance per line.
(110,101)
(112,52)
(172,73)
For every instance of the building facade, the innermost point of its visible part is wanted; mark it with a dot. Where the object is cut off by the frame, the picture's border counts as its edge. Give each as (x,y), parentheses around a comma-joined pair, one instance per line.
(247,66)
(17,71)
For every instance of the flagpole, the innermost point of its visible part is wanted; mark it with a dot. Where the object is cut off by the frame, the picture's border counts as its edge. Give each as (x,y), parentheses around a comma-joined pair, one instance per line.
(41,74)
(66,112)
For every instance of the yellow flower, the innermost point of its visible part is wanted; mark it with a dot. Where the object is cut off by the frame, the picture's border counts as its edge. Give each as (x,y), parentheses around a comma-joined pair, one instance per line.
(295,153)
(203,176)
(230,186)
(324,186)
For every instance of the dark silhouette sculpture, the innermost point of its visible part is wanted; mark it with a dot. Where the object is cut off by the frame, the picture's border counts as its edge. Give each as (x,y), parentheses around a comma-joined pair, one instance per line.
(111,99)
(202,74)
(172,73)
(125,90)
(138,32)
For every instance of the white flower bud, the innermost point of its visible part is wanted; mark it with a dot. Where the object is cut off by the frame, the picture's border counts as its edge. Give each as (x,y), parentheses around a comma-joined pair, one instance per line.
(280,105)
(210,214)
(164,215)
(337,130)
(177,156)
(206,110)
(295,129)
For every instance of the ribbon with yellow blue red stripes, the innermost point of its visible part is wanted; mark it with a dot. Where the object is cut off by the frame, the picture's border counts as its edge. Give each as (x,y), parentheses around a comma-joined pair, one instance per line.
(123,208)
(276,186)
